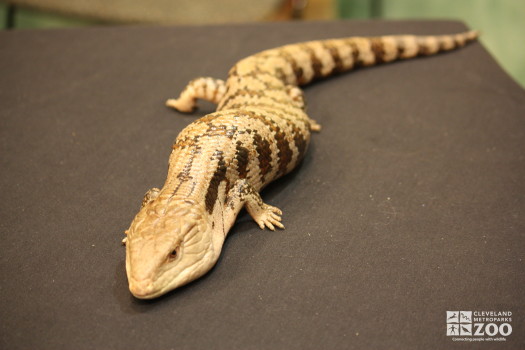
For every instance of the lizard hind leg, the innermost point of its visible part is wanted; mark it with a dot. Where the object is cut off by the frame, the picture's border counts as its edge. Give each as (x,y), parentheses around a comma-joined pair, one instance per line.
(297,96)
(205,88)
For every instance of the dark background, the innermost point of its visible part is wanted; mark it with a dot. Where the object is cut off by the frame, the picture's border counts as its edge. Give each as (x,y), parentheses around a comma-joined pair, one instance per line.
(409,203)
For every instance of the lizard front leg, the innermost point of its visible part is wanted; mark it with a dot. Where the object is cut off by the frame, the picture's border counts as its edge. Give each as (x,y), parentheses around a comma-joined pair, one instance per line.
(243,194)
(205,88)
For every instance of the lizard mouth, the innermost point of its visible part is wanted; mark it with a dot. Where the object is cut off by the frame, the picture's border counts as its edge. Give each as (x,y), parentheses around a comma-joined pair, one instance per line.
(142,290)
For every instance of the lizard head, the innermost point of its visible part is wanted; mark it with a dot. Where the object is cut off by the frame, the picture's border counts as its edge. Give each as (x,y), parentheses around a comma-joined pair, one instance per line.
(169,244)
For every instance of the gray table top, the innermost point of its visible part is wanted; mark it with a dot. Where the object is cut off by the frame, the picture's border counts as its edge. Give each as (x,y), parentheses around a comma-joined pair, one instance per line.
(410,202)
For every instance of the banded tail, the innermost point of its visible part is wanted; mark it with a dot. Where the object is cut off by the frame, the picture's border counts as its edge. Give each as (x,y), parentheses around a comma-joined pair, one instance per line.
(299,64)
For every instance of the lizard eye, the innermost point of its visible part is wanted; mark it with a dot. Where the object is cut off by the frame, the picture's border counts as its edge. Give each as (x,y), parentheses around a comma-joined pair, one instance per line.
(173,255)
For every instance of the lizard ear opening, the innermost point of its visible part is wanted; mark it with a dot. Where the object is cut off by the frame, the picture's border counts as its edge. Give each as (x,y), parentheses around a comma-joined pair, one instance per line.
(150,196)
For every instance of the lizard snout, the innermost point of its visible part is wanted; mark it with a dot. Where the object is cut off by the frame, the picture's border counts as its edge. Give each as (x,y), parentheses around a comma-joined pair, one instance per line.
(142,289)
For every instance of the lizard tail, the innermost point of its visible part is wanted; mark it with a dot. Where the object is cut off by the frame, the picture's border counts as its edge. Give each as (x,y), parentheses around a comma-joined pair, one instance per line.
(299,64)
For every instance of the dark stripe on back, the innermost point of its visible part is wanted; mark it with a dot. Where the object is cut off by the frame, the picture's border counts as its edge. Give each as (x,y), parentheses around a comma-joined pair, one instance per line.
(422,46)
(458,42)
(253,95)
(285,153)
(297,71)
(376,45)
(242,155)
(400,44)
(355,51)
(315,62)
(184,174)
(334,52)
(218,176)
(264,155)
(300,143)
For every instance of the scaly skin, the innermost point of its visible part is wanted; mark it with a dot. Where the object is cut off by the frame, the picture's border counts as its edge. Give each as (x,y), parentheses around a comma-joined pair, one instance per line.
(221,162)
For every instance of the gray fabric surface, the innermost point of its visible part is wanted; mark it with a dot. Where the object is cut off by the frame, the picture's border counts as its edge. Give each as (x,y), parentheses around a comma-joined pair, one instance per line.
(409,203)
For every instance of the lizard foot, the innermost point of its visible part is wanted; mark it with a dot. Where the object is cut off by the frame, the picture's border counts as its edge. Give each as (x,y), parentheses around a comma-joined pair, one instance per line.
(182,105)
(266,216)
(314,126)
(205,88)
